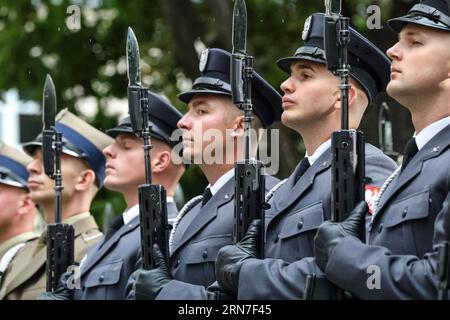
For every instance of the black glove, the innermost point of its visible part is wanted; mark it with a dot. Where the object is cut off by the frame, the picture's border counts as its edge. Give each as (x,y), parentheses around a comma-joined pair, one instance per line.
(62,291)
(330,234)
(230,258)
(150,282)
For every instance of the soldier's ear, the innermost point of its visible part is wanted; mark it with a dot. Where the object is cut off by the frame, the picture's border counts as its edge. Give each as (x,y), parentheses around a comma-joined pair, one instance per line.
(337,99)
(161,161)
(86,178)
(352,94)
(238,126)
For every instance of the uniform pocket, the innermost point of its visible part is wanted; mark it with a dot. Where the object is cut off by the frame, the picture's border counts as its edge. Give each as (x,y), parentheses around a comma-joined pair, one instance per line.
(304,219)
(205,250)
(413,207)
(108,274)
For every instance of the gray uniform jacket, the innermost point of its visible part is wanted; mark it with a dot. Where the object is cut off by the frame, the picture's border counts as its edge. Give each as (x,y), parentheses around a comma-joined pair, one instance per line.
(199,236)
(108,265)
(297,210)
(401,237)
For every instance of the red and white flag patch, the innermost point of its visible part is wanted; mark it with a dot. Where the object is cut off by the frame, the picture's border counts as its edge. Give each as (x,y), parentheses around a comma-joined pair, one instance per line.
(370,195)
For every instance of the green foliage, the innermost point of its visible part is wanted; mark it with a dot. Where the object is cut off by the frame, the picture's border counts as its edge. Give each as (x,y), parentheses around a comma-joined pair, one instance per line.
(90,62)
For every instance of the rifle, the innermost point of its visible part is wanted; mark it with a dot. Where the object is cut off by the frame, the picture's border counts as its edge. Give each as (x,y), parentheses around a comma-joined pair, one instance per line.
(152,197)
(60,236)
(385,132)
(347,145)
(443,267)
(249,182)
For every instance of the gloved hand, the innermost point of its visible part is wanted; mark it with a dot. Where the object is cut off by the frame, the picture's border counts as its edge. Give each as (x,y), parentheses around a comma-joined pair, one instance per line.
(62,291)
(230,258)
(330,234)
(150,282)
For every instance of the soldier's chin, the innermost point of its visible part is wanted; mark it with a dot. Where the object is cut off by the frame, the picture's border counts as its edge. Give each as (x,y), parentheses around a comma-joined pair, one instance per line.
(288,120)
(111,184)
(188,155)
(394,89)
(42,196)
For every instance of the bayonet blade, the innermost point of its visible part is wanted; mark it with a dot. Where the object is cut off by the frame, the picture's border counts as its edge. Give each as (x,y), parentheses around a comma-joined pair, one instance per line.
(239,27)
(133,70)
(49,103)
(333,7)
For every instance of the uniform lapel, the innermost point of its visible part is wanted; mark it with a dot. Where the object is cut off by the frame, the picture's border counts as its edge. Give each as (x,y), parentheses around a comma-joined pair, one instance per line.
(99,251)
(290,193)
(29,268)
(207,213)
(432,149)
(24,271)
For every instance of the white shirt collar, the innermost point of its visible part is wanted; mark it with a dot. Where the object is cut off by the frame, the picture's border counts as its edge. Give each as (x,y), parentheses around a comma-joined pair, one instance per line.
(430,131)
(130,214)
(221,181)
(133,212)
(319,151)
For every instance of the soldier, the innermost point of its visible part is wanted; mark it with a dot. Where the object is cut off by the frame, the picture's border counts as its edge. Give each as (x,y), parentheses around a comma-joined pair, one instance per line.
(312,107)
(205,224)
(83,171)
(107,266)
(18,210)
(398,256)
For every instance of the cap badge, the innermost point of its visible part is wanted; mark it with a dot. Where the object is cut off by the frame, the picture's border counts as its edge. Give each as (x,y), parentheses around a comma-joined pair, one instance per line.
(306,28)
(203,60)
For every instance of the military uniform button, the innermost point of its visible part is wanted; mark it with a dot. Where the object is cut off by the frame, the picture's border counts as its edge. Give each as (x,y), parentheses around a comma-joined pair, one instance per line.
(380,228)
(177,263)
(300,224)
(405,212)
(205,254)
(276,239)
(101,278)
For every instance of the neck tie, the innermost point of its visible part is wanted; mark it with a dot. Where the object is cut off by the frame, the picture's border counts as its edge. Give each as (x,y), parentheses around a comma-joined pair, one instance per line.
(206,196)
(304,165)
(113,227)
(409,152)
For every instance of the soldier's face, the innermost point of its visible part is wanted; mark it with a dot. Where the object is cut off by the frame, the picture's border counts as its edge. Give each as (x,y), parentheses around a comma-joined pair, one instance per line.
(10,199)
(310,93)
(420,63)
(208,116)
(42,187)
(124,163)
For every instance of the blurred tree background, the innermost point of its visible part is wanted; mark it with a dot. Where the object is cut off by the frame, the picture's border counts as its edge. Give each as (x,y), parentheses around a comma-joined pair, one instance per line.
(82,45)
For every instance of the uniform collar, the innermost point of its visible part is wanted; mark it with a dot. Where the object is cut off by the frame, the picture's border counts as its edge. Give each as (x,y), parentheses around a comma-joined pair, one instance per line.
(23,237)
(221,181)
(75,218)
(130,214)
(319,151)
(133,212)
(430,131)
(169,200)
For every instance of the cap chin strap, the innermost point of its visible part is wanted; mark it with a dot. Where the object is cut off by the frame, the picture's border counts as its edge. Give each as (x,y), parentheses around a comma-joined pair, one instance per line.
(430,13)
